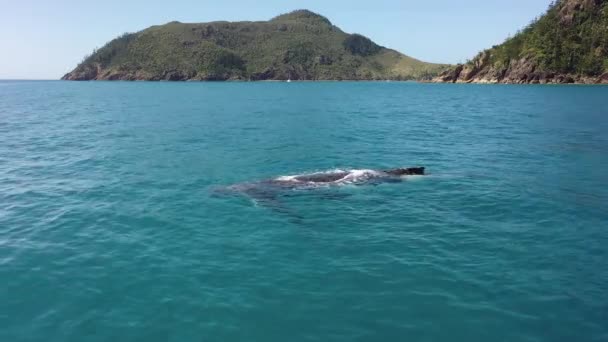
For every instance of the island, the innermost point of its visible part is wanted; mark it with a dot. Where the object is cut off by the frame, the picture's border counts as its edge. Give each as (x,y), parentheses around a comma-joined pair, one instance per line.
(300,45)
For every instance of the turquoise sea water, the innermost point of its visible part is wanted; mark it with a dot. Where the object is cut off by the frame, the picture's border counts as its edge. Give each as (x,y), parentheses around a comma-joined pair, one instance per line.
(109,229)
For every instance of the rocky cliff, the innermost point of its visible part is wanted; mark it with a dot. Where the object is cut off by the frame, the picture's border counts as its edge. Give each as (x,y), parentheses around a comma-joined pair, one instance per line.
(569,44)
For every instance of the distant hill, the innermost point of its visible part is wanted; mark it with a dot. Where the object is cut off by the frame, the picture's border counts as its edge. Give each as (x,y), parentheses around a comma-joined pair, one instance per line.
(569,44)
(300,45)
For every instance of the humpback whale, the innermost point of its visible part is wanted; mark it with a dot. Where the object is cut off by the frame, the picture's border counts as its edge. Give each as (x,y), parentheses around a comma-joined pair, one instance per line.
(267,192)
(327,179)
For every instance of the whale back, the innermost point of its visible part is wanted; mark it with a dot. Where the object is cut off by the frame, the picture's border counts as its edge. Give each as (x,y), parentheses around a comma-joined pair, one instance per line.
(322,177)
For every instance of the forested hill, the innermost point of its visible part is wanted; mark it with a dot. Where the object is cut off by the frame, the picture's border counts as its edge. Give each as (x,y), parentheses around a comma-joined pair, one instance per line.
(300,45)
(569,44)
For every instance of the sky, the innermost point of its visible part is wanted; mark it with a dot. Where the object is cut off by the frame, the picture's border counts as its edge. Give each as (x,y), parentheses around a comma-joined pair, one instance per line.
(44,39)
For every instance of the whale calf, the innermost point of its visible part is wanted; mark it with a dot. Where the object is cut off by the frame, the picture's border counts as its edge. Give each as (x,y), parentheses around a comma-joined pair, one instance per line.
(267,192)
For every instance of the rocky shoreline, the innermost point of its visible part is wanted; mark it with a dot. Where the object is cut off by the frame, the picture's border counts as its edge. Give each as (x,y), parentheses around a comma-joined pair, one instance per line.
(98,73)
(521,71)
(478,71)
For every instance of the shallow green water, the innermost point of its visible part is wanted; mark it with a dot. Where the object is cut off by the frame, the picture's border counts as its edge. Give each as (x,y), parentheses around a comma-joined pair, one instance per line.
(109,228)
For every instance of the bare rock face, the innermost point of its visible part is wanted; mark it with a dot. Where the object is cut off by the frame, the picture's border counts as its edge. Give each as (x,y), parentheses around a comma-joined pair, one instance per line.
(570,7)
(473,70)
(449,76)
(468,73)
(521,71)
(82,74)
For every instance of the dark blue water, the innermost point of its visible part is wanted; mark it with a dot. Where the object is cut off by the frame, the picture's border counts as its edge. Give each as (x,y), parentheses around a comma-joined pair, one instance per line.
(109,230)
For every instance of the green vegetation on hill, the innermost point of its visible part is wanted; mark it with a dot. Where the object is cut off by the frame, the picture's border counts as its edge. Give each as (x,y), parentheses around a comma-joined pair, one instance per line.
(571,38)
(300,45)
(567,44)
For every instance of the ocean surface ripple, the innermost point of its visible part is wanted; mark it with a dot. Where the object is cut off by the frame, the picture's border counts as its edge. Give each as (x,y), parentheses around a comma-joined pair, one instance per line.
(108,229)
